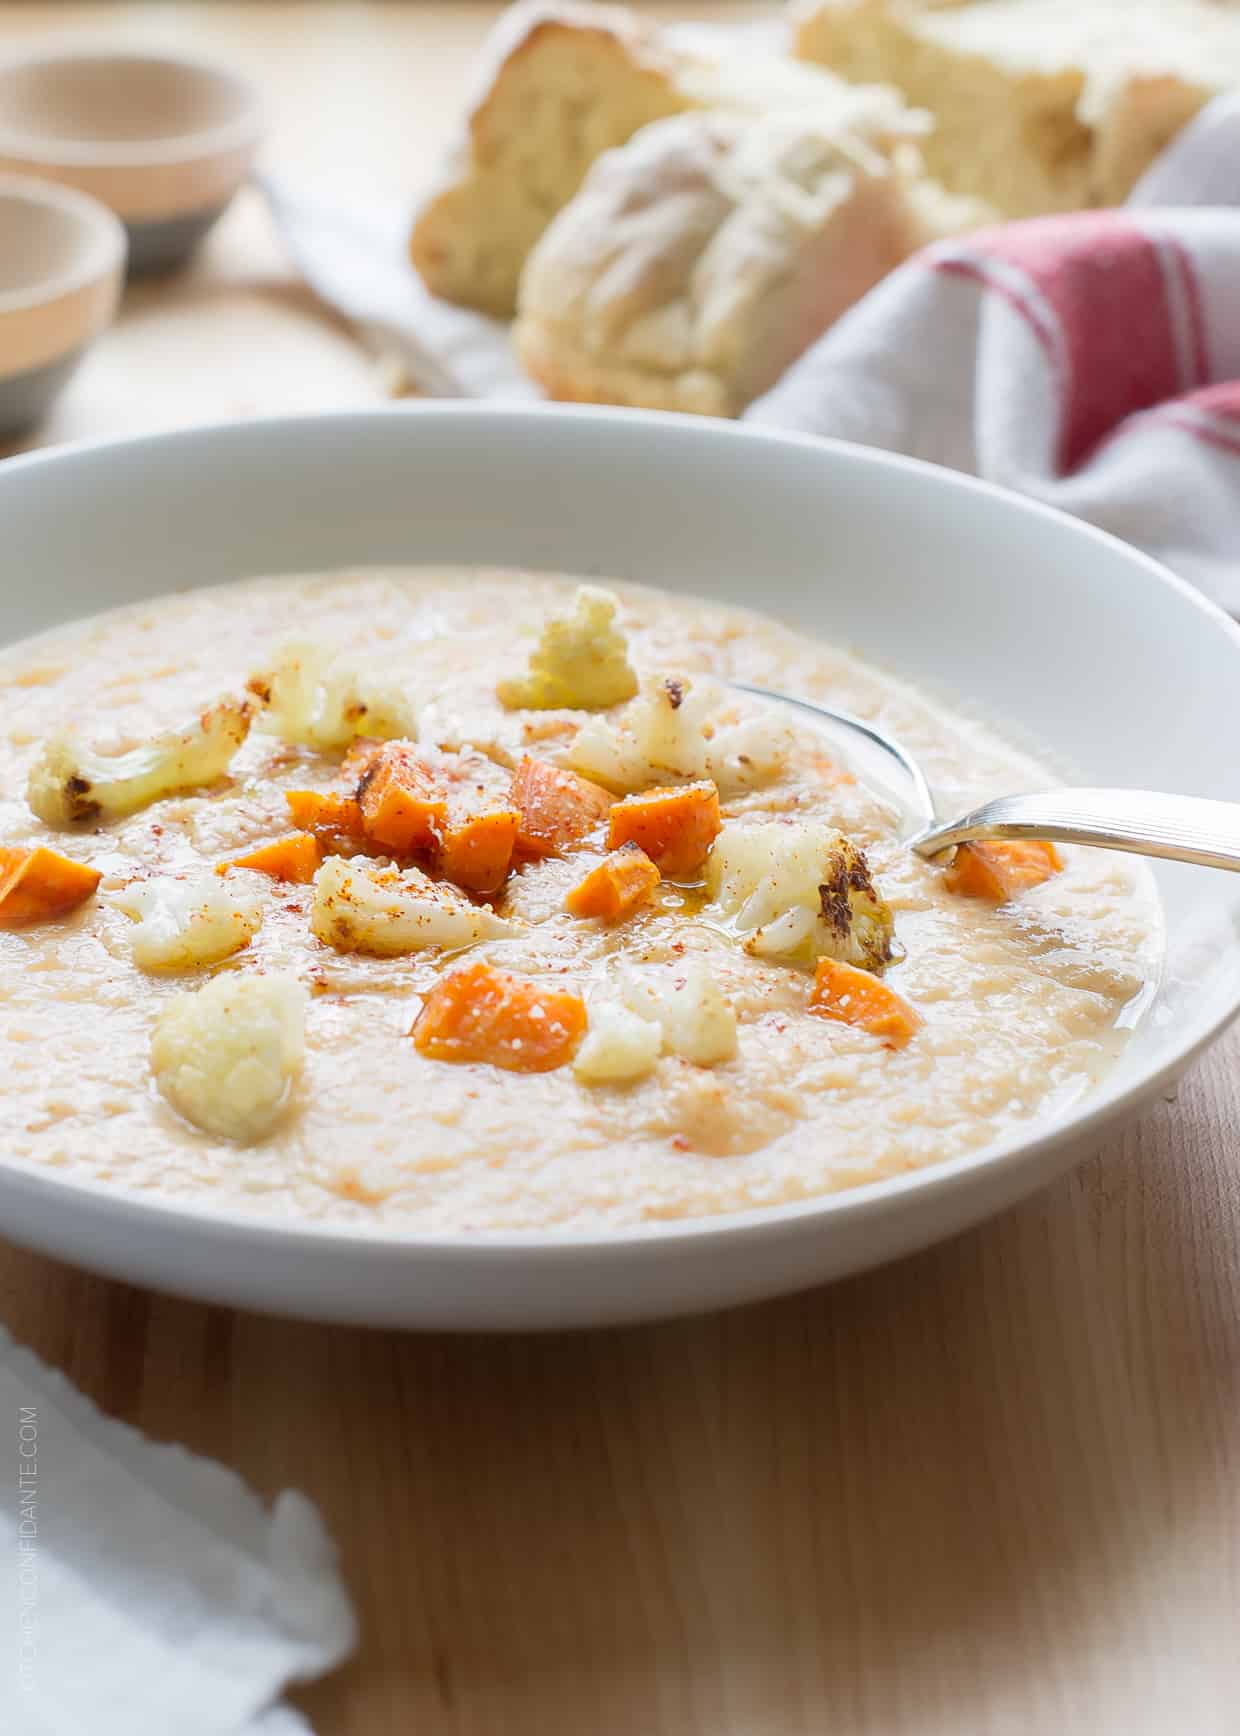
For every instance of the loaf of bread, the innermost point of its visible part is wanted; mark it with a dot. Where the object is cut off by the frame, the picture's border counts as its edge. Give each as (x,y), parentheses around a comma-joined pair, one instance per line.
(1039,105)
(561,84)
(700,259)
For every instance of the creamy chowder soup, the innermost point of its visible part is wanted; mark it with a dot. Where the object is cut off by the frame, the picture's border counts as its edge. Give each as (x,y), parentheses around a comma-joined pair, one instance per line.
(473,900)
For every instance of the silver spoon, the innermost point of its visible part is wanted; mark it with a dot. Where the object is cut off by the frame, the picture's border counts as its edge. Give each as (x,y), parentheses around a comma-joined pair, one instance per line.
(1177,828)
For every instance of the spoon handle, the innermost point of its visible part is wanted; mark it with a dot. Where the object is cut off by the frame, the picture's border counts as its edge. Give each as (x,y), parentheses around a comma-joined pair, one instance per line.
(1180,828)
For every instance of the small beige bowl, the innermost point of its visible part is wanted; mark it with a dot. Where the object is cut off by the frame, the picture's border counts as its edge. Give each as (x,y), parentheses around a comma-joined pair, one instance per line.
(164,142)
(62,263)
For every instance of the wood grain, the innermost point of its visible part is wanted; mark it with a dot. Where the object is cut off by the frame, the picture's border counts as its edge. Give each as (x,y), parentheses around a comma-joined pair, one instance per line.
(995,1488)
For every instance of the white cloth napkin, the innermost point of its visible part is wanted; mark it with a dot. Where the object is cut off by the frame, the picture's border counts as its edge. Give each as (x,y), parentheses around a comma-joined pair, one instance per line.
(357,263)
(1092,360)
(148,1592)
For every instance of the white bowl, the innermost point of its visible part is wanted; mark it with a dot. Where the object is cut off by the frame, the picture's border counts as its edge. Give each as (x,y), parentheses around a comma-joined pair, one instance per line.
(164,141)
(1054,630)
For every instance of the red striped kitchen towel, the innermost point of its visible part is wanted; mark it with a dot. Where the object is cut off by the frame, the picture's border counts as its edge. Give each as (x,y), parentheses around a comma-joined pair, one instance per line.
(1092,360)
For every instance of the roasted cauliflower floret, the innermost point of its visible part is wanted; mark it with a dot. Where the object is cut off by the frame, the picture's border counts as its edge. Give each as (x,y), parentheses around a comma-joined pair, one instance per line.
(657,739)
(363,906)
(225,1055)
(642,1013)
(619,1045)
(749,753)
(182,924)
(71,782)
(677,730)
(800,891)
(689,1007)
(581,660)
(313,699)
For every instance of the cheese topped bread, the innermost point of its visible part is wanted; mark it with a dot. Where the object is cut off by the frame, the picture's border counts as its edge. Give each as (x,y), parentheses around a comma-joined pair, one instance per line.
(700,259)
(560,85)
(1039,105)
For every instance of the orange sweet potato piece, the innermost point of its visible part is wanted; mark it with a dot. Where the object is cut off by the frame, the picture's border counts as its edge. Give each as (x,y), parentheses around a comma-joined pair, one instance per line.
(295,859)
(675,827)
(999,869)
(402,806)
(558,808)
(476,852)
(856,997)
(329,817)
(621,881)
(38,885)
(480,1013)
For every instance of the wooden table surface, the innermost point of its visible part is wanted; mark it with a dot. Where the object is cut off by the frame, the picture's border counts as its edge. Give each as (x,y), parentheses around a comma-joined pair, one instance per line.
(995,1488)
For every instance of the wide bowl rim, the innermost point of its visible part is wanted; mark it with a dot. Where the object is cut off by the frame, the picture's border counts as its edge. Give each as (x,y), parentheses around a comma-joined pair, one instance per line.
(104,243)
(1090,1115)
(178,149)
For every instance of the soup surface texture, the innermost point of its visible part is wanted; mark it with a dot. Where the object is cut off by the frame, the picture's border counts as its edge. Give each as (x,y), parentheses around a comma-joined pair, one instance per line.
(1022,1004)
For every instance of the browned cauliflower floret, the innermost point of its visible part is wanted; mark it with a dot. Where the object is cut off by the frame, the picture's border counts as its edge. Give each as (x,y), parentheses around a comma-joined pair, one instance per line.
(363,906)
(311,698)
(799,891)
(677,730)
(656,740)
(581,661)
(71,782)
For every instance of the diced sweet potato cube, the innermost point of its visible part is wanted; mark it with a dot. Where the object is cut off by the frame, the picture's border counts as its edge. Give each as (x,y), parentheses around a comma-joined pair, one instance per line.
(402,806)
(328,817)
(480,1013)
(558,808)
(295,859)
(478,838)
(999,869)
(476,853)
(675,827)
(38,885)
(621,881)
(856,997)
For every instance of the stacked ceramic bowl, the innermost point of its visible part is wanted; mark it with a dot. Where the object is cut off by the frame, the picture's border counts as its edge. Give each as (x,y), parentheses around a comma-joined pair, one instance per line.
(103,155)
(62,257)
